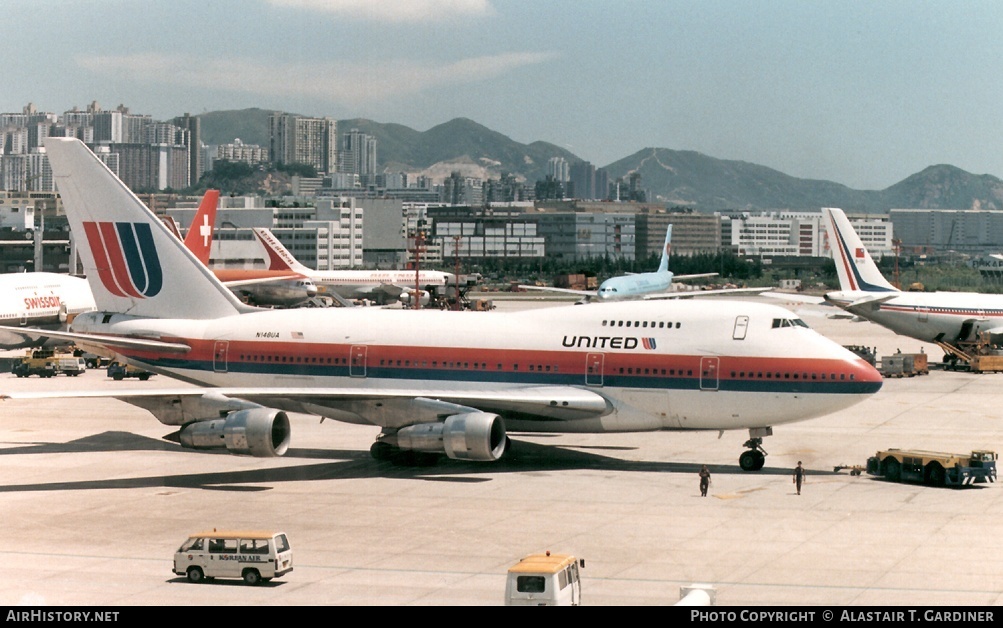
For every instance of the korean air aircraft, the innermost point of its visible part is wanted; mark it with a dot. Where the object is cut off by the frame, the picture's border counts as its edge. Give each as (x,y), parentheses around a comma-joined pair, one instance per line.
(646,286)
(434,382)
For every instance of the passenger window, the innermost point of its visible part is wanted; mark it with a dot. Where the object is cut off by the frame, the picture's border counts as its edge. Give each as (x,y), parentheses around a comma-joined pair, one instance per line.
(223,546)
(256,546)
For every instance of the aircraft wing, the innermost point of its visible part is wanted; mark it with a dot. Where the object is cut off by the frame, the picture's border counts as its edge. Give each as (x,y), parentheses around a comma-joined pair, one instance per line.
(798,299)
(581,293)
(560,403)
(698,276)
(688,294)
(236,283)
(87,341)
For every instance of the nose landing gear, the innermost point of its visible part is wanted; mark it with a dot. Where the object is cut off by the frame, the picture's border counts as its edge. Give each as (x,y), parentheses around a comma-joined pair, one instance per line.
(755,457)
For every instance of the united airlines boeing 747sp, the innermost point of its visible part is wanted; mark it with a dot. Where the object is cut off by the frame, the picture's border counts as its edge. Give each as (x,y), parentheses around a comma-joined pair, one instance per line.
(435,382)
(945,317)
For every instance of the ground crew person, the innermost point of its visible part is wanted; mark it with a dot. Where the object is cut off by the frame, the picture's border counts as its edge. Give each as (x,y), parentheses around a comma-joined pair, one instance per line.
(799,474)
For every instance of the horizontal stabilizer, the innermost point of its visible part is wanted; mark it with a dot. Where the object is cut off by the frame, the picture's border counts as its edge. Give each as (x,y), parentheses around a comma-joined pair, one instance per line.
(98,340)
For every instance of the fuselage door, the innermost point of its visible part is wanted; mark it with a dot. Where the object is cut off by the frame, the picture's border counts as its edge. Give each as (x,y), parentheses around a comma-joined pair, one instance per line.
(741,327)
(594,369)
(357,363)
(924,313)
(708,373)
(219,355)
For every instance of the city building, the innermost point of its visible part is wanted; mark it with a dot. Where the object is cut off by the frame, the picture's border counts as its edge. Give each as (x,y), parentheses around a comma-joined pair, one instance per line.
(300,140)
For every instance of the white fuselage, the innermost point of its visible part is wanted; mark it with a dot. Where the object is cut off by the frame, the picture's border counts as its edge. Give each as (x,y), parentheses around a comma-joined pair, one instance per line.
(632,286)
(930,316)
(659,365)
(374,284)
(40,300)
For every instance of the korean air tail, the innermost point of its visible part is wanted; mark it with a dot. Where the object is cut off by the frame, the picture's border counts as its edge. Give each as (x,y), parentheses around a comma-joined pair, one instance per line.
(856,270)
(663,266)
(199,238)
(133,263)
(279,257)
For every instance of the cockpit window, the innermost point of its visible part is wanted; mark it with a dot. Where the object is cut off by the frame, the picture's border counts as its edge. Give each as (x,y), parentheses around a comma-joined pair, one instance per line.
(788,322)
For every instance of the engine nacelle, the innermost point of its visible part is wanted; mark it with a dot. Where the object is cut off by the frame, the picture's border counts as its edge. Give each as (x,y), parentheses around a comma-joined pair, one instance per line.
(407,297)
(259,432)
(471,436)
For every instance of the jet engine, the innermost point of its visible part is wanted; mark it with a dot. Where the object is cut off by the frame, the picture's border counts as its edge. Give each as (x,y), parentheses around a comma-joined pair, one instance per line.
(476,436)
(407,297)
(258,432)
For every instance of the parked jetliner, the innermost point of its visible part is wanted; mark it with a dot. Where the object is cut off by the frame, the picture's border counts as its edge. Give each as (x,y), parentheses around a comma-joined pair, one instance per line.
(653,285)
(436,382)
(948,317)
(282,288)
(39,300)
(374,285)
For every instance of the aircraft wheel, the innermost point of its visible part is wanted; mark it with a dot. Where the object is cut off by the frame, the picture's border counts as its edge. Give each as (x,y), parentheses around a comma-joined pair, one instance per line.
(751,460)
(382,451)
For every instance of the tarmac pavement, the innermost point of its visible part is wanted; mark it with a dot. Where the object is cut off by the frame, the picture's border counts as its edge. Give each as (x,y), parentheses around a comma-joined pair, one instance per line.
(94,501)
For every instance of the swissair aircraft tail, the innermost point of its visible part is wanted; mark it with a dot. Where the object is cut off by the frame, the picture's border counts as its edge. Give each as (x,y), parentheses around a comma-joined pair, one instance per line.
(856,270)
(199,238)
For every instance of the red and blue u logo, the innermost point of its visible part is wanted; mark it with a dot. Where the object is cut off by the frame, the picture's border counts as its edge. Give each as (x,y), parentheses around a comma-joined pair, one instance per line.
(126,258)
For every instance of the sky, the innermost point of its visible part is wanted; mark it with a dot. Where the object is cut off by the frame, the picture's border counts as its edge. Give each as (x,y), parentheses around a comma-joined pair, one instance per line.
(860,93)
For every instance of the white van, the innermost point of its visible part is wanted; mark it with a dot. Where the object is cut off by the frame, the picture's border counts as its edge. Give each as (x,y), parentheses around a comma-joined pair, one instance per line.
(70,366)
(254,556)
(545,580)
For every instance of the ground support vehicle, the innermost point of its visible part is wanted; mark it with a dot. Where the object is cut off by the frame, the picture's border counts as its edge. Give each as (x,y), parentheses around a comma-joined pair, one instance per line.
(119,371)
(67,364)
(253,556)
(934,468)
(544,580)
(39,362)
(903,365)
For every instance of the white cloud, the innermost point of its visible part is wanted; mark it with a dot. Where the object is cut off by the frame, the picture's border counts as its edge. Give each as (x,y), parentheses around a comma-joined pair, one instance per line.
(344,83)
(394,10)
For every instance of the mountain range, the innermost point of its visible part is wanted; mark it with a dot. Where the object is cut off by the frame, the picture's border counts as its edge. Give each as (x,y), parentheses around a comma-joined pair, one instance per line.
(674,177)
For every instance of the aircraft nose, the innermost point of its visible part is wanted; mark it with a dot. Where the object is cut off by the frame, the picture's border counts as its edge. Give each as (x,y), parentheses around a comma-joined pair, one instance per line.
(866,374)
(311,290)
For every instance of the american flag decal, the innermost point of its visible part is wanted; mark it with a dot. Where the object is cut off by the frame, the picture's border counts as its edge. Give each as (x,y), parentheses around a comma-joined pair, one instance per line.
(297,335)
(649,343)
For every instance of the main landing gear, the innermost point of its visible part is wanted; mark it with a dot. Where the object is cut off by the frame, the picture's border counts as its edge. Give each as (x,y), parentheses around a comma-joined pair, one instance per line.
(381,450)
(755,457)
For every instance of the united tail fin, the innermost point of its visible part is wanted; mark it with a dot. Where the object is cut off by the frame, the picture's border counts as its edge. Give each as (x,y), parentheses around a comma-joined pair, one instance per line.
(856,270)
(279,257)
(663,266)
(134,264)
(199,238)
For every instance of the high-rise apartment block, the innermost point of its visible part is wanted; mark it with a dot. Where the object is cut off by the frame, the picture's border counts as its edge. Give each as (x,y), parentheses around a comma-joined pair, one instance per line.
(299,140)
(357,154)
